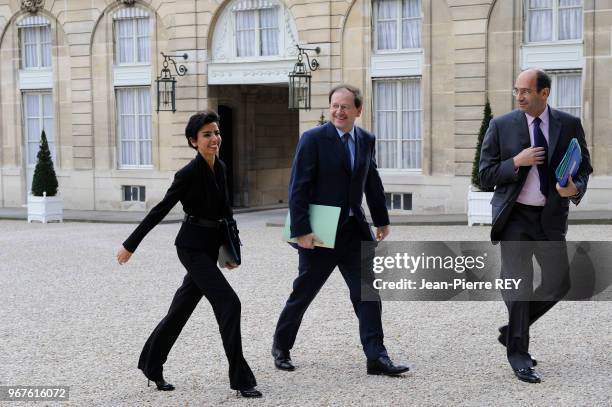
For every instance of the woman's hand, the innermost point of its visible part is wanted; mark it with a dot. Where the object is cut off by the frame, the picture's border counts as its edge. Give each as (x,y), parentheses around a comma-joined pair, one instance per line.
(123,255)
(231,266)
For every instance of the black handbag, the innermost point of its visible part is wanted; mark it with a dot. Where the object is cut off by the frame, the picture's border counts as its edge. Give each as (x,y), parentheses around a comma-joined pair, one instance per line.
(229,252)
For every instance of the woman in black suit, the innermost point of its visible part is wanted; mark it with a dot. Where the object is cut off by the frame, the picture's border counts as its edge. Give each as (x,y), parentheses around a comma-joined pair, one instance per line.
(201,187)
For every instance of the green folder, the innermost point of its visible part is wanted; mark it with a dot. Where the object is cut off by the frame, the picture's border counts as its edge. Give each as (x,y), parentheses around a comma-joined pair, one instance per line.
(323,222)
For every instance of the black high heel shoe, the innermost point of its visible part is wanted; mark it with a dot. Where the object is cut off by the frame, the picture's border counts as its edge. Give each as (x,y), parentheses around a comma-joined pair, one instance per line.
(252,392)
(162,385)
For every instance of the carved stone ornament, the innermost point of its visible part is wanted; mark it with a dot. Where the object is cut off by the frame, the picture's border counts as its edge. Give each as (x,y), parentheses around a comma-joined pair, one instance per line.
(32,6)
(127,2)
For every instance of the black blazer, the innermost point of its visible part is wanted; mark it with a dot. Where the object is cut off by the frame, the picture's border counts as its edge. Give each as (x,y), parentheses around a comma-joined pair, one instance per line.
(321,175)
(202,193)
(507,136)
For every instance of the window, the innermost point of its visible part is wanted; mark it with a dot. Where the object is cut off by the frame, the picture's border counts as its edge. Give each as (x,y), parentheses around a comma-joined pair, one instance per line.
(35,46)
(397,24)
(398,122)
(554,20)
(132,37)
(38,116)
(134,127)
(397,201)
(133,193)
(257,32)
(566,92)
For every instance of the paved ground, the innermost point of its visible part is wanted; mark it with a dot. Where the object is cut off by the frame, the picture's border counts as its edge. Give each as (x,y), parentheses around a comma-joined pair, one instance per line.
(71,316)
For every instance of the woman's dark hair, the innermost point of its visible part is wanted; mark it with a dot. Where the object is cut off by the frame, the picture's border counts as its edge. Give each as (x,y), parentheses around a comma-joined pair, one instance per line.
(196,122)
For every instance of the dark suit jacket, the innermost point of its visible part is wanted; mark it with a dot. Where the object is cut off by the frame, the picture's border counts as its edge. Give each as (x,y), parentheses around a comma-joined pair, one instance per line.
(202,193)
(321,175)
(507,136)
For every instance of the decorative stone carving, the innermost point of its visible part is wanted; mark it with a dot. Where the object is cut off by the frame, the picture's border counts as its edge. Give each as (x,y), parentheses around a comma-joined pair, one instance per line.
(32,6)
(128,3)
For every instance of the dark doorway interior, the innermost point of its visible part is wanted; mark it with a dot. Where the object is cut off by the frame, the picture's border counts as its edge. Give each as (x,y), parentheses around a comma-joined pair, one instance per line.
(227,147)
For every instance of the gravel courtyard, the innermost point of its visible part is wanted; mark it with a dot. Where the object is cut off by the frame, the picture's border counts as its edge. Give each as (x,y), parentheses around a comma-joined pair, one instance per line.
(72,316)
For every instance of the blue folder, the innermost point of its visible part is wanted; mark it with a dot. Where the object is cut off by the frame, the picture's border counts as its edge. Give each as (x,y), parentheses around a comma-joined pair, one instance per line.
(570,163)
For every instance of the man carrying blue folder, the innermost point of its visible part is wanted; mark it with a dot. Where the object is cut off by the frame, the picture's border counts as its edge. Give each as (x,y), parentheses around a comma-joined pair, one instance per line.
(519,155)
(334,166)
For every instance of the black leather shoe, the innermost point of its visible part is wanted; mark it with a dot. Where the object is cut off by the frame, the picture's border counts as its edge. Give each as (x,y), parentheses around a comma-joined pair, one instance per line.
(249,392)
(384,365)
(527,375)
(282,359)
(502,339)
(162,385)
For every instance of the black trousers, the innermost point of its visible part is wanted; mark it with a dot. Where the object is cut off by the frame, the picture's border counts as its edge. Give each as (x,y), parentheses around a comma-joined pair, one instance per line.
(203,278)
(315,266)
(522,239)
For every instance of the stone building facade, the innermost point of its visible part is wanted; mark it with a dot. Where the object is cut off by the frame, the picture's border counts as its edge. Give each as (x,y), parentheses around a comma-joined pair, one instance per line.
(85,70)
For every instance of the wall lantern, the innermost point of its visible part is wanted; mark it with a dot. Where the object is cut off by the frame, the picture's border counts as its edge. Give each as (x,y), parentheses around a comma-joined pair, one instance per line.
(166,83)
(300,78)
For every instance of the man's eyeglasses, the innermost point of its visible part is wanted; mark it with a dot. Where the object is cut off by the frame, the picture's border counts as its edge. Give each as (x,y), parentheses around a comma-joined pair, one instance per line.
(342,108)
(522,92)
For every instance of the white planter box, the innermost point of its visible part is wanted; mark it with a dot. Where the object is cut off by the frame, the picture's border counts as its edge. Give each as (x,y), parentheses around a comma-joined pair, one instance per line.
(45,208)
(479,207)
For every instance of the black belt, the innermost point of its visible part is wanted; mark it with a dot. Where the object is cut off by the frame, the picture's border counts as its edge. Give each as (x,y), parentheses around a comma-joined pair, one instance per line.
(531,208)
(201,222)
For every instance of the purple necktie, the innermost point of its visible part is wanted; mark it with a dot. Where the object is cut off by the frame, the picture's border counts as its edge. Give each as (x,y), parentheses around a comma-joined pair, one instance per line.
(540,141)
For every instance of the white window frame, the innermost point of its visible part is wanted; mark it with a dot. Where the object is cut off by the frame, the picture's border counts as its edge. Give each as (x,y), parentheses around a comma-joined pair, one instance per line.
(120,164)
(138,191)
(258,30)
(398,124)
(402,196)
(555,25)
(553,100)
(399,19)
(40,45)
(41,118)
(135,37)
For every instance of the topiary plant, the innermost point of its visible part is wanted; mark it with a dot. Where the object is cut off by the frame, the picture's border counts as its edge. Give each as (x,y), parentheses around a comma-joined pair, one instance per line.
(487,116)
(44,179)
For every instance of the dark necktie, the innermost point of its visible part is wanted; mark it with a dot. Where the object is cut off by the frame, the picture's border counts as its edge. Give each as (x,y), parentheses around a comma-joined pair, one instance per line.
(347,150)
(540,141)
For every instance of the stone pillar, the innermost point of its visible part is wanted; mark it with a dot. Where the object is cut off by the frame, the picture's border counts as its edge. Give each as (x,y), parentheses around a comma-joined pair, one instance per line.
(469,29)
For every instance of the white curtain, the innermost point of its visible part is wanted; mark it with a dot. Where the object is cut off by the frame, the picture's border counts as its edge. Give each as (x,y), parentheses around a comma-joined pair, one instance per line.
(411,24)
(33,125)
(386,24)
(398,123)
(385,102)
(125,41)
(125,118)
(540,20)
(269,31)
(246,23)
(570,19)
(143,42)
(29,52)
(134,125)
(144,125)
(45,46)
(411,123)
(133,44)
(47,121)
(568,93)
(38,116)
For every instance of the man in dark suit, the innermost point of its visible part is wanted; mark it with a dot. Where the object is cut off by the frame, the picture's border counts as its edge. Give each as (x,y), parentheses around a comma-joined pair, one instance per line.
(519,155)
(334,165)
